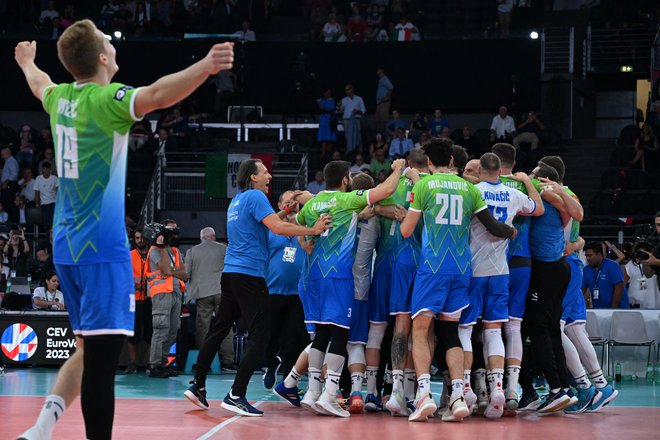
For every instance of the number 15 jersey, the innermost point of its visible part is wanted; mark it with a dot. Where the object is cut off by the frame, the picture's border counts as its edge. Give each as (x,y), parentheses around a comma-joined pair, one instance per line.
(90,126)
(447,203)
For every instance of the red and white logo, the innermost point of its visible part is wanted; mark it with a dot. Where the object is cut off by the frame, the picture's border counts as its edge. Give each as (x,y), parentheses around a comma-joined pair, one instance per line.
(19,342)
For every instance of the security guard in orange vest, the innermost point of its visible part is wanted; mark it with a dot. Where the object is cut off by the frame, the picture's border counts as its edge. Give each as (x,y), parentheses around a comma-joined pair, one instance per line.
(166,275)
(143,318)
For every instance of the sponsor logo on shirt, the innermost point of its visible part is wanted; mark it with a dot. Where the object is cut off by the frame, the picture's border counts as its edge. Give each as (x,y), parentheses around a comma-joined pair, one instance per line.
(121,92)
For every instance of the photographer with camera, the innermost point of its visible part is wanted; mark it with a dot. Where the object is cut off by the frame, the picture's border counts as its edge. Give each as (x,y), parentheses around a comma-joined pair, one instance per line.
(641,279)
(648,254)
(166,275)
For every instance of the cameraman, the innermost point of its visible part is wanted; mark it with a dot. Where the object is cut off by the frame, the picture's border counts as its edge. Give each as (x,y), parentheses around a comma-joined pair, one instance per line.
(166,275)
(651,264)
(640,278)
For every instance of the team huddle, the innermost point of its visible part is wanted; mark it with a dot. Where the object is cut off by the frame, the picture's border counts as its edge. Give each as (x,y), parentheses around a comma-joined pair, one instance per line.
(461,269)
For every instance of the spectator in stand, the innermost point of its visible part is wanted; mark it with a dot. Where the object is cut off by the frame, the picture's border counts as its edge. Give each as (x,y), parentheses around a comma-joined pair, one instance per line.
(359,165)
(123,19)
(45,193)
(47,18)
(25,153)
(445,132)
(4,219)
(4,273)
(437,124)
(423,138)
(418,126)
(357,29)
(318,184)
(43,265)
(379,144)
(327,134)
(646,150)
(9,179)
(602,282)
(245,33)
(654,115)
(142,17)
(17,251)
(382,176)
(336,155)
(108,13)
(332,30)
(20,212)
(26,184)
(49,297)
(69,15)
(405,30)
(504,10)
(380,162)
(352,108)
(503,128)
(45,139)
(528,131)
(374,21)
(395,123)
(165,143)
(4,238)
(400,145)
(49,156)
(383,99)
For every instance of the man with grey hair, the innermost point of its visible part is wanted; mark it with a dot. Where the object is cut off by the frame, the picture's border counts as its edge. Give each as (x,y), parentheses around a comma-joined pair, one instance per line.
(204,264)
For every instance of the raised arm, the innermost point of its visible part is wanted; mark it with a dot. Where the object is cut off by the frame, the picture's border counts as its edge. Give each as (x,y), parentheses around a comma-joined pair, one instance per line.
(36,78)
(532,193)
(173,88)
(385,189)
(280,227)
(564,202)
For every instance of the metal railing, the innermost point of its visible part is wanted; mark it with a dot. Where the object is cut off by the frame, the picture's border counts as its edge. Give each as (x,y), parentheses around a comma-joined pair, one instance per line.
(303,172)
(557,50)
(615,48)
(152,200)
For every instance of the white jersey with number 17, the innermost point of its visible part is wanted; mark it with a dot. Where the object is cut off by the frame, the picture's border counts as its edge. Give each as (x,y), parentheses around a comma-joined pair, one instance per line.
(488,251)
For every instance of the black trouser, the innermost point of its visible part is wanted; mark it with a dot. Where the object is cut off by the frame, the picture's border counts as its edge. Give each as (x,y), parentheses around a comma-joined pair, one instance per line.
(242,296)
(547,287)
(288,334)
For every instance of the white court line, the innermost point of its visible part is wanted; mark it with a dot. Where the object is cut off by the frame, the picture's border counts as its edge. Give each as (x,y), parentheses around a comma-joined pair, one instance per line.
(217,428)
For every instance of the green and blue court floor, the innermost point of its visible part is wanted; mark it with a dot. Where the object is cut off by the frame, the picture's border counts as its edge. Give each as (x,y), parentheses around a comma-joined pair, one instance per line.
(156,409)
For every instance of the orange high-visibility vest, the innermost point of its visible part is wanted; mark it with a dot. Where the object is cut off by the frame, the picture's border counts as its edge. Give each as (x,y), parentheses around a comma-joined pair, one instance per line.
(139,275)
(162,284)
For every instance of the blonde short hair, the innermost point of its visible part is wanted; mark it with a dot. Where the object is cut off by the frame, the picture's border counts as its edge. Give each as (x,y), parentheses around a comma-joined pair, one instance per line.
(79,47)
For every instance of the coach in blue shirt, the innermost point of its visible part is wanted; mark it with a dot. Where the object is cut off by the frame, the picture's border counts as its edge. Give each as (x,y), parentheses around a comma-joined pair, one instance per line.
(288,335)
(603,279)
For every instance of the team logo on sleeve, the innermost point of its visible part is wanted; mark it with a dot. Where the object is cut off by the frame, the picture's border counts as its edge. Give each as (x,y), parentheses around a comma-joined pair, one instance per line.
(121,92)
(411,197)
(359,192)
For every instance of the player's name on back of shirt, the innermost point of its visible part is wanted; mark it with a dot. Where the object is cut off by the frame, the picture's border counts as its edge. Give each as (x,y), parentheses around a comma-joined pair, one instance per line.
(447,184)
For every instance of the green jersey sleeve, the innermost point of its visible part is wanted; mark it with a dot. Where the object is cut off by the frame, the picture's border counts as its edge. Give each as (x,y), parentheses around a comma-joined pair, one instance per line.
(117,101)
(416,196)
(49,99)
(300,217)
(477,199)
(356,200)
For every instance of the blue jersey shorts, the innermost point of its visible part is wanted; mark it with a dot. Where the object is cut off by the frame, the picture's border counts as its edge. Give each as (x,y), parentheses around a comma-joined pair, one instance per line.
(439,293)
(403,277)
(379,293)
(331,301)
(518,287)
(574,309)
(359,322)
(100,298)
(489,297)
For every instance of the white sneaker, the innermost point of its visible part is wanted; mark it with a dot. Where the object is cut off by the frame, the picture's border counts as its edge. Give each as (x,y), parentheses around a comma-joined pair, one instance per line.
(458,408)
(396,405)
(309,400)
(34,433)
(424,408)
(470,399)
(495,407)
(330,406)
(447,415)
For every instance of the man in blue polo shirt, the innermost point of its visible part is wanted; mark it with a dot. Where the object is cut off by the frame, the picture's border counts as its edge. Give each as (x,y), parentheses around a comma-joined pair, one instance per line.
(603,280)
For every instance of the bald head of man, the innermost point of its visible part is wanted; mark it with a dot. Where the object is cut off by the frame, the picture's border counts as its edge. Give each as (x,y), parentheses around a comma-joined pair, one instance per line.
(472,168)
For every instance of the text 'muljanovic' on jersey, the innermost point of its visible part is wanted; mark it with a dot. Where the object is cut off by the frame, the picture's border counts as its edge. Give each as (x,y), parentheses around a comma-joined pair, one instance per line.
(447,203)
(90,124)
(334,250)
(519,245)
(488,251)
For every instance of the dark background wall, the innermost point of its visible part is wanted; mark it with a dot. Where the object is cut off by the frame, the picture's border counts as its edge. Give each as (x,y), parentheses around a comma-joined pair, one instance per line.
(457,76)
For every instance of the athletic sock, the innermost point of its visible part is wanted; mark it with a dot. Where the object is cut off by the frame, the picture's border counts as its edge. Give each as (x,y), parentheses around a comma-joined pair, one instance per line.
(495,379)
(599,379)
(387,383)
(423,385)
(356,382)
(583,382)
(397,381)
(372,380)
(409,383)
(457,387)
(52,410)
(467,377)
(480,381)
(332,383)
(512,375)
(315,382)
(292,379)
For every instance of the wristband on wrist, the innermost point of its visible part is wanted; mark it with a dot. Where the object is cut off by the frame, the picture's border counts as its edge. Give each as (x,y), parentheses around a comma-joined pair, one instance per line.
(287,210)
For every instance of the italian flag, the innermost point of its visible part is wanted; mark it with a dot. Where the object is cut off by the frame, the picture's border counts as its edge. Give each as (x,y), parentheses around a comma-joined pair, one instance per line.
(221,172)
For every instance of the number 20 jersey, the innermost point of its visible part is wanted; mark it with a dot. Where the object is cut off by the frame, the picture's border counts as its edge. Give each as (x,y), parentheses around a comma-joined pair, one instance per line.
(447,203)
(90,124)
(488,251)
